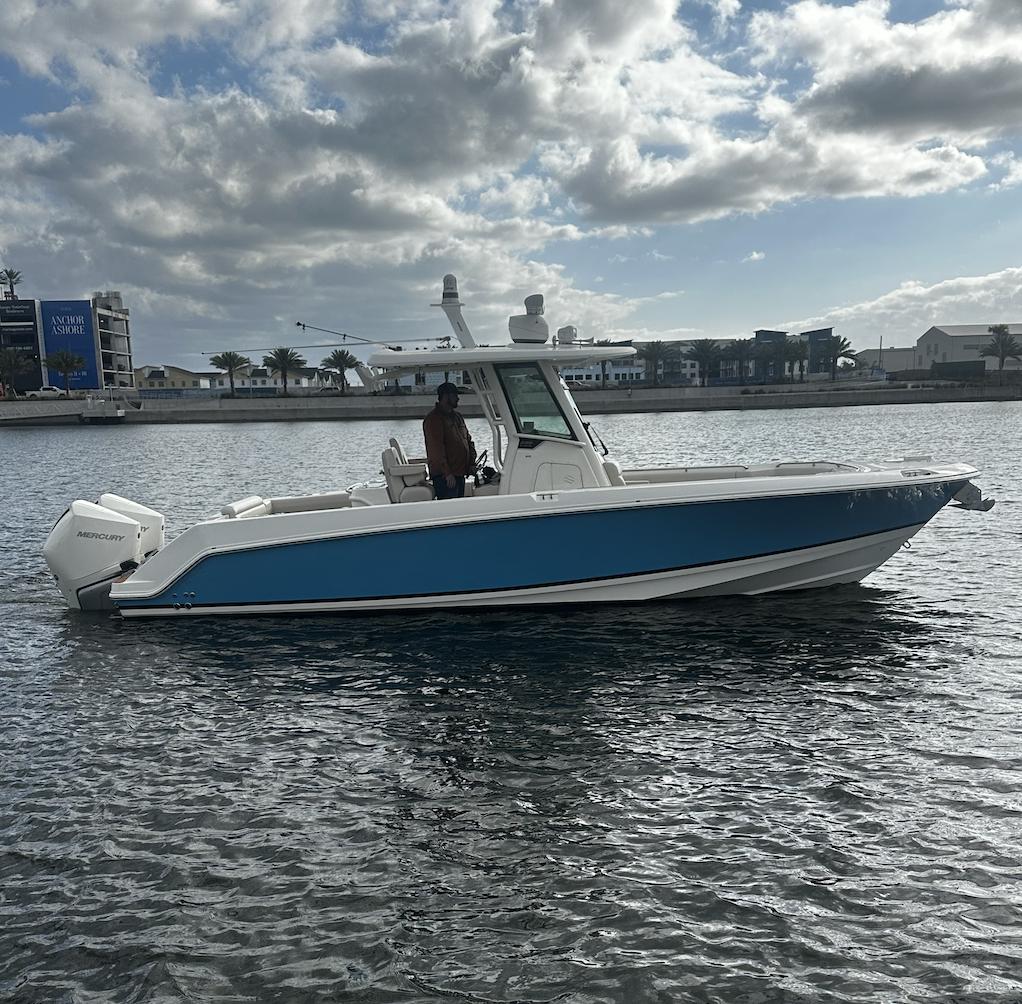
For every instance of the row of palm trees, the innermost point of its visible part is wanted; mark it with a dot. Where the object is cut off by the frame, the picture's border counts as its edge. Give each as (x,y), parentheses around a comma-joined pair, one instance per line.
(772,358)
(285,361)
(14,363)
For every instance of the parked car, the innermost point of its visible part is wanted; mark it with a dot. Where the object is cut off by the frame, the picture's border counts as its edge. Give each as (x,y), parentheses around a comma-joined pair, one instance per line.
(44,393)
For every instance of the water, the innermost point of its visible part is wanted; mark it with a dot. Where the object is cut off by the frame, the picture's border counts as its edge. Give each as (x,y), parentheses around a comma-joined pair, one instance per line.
(801,798)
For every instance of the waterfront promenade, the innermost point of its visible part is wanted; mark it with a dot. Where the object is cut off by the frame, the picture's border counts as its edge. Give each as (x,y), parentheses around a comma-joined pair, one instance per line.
(591,402)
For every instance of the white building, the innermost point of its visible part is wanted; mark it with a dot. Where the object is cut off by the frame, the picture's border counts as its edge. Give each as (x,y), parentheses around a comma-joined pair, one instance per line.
(173,381)
(957,343)
(113,331)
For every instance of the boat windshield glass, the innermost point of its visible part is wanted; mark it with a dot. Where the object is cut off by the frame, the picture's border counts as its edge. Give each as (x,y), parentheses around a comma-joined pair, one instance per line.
(533,407)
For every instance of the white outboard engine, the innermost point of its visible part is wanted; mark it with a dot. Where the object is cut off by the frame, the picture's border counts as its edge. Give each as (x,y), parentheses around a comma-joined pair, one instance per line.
(93,544)
(150,520)
(529,328)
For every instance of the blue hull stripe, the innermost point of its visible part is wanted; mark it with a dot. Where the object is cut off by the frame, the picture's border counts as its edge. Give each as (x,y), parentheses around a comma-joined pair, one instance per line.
(527,552)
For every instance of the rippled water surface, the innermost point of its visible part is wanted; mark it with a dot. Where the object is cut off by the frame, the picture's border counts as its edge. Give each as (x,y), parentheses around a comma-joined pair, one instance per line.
(807,797)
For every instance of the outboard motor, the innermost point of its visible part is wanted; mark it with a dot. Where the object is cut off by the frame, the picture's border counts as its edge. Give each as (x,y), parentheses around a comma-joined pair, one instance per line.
(150,520)
(93,544)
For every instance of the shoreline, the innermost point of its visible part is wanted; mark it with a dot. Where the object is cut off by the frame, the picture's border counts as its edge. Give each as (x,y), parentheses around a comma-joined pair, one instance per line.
(363,407)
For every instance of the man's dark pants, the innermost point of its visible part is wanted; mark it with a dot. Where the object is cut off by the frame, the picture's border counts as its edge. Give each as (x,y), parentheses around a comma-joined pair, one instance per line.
(442,490)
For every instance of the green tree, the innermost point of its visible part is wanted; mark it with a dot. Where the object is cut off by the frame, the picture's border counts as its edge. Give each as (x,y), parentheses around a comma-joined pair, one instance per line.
(65,363)
(12,277)
(705,353)
(283,360)
(740,350)
(1001,347)
(339,362)
(835,349)
(653,354)
(603,364)
(13,362)
(796,351)
(230,363)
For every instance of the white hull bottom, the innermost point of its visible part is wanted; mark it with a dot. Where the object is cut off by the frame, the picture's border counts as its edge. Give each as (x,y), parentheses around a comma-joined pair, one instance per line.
(807,568)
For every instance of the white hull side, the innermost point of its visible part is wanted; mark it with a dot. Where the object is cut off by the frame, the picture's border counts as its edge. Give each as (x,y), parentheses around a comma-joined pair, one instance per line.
(814,567)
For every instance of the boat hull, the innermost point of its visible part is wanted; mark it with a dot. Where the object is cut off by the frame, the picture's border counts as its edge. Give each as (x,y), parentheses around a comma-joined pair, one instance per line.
(624,553)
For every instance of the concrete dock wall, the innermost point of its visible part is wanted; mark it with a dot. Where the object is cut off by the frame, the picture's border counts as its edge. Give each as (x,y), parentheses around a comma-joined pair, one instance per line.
(591,402)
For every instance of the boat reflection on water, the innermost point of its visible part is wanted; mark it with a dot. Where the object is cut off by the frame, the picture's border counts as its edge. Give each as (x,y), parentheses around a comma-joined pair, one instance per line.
(845,633)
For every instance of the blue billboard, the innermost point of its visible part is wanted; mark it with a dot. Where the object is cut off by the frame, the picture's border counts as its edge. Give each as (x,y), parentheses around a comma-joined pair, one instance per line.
(67,327)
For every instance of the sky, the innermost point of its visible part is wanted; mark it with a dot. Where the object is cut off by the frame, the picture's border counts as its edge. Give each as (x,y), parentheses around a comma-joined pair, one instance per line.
(658,170)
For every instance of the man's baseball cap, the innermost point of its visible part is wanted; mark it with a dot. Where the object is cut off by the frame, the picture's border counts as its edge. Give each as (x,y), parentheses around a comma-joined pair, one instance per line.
(447,388)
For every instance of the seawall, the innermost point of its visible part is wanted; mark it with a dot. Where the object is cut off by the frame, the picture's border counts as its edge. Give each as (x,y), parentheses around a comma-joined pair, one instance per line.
(590,402)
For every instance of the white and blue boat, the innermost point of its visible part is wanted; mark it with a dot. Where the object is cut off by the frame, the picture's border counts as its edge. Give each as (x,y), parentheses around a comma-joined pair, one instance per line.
(524,533)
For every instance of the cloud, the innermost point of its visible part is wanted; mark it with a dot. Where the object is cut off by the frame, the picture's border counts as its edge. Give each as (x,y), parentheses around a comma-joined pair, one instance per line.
(386,142)
(1012,168)
(956,75)
(754,256)
(902,314)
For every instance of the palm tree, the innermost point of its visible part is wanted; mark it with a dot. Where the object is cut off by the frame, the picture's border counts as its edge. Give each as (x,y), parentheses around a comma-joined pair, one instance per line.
(12,277)
(653,354)
(796,350)
(231,363)
(1002,346)
(283,360)
(835,349)
(603,364)
(65,363)
(740,350)
(13,362)
(705,353)
(340,361)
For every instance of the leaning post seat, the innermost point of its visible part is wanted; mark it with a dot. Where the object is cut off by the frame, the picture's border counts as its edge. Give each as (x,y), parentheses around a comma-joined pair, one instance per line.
(405,482)
(402,457)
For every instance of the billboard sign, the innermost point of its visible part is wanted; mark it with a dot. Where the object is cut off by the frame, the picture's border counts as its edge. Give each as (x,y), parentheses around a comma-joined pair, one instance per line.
(17,312)
(67,327)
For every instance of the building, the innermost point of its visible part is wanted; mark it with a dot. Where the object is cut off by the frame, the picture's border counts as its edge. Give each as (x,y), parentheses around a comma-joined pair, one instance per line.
(945,345)
(819,349)
(891,360)
(114,335)
(959,343)
(255,381)
(97,330)
(770,364)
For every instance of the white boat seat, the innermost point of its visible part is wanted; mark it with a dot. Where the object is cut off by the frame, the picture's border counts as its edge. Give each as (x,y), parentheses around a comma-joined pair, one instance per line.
(405,482)
(402,457)
(263,509)
(236,509)
(613,469)
(310,503)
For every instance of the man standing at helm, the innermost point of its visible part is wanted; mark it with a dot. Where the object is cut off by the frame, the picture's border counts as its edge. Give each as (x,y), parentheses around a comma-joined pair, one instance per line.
(450,452)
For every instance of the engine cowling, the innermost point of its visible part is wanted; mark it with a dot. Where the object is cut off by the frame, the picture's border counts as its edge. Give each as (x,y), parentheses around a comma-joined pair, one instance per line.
(87,548)
(150,520)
